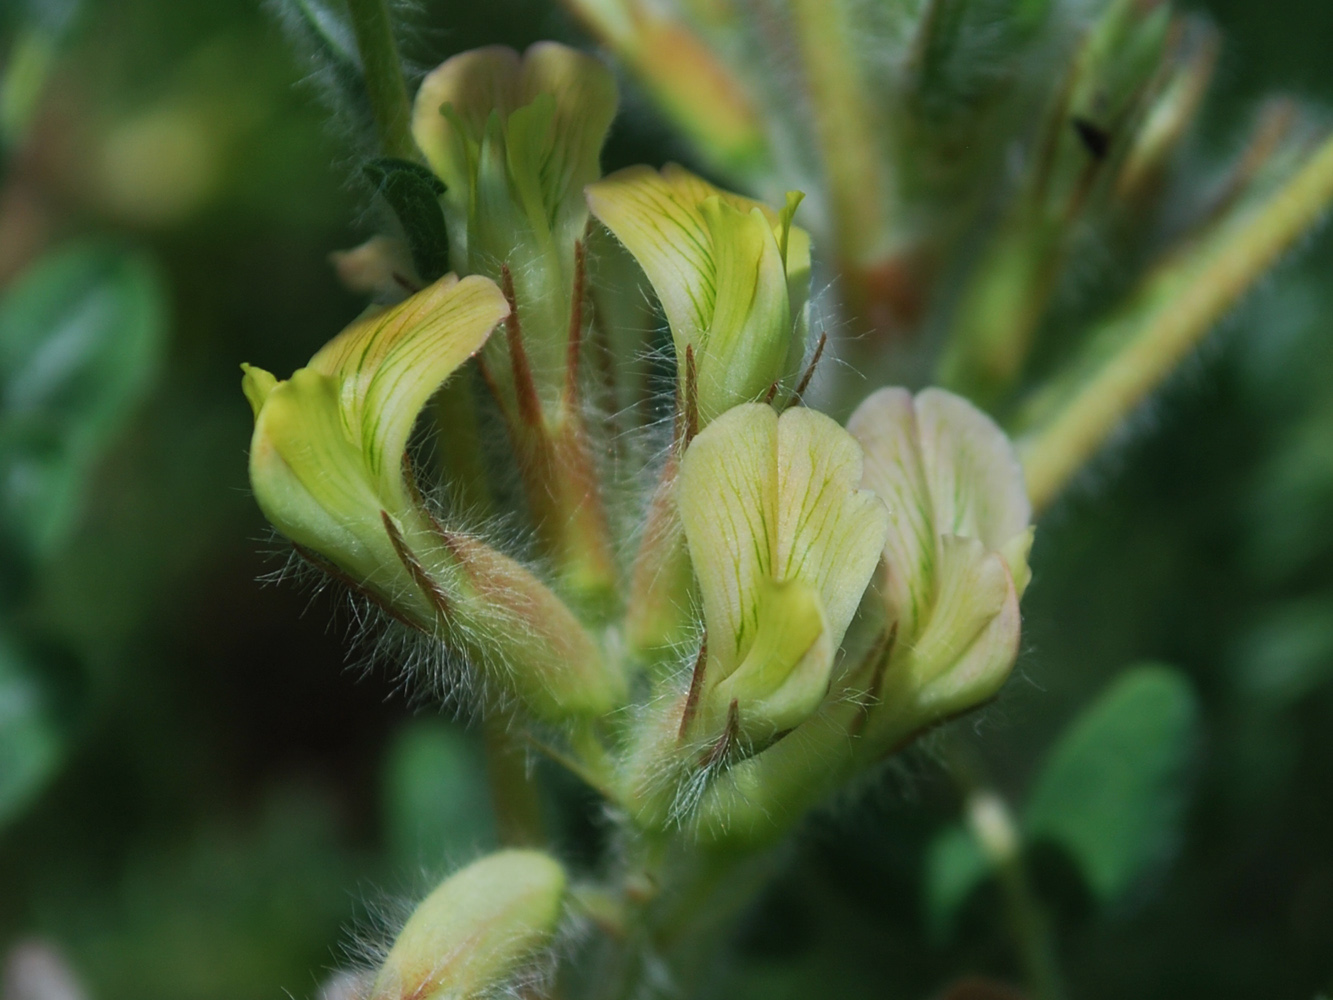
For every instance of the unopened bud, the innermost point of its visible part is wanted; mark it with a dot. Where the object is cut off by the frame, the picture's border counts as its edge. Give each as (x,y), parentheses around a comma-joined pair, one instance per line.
(477,930)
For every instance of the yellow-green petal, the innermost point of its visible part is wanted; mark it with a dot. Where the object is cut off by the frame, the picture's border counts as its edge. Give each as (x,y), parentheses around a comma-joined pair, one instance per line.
(732,276)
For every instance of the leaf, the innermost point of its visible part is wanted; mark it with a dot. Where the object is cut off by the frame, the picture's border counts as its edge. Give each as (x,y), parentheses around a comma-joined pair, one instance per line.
(31,742)
(1113,792)
(437,808)
(321,32)
(955,867)
(80,342)
(413,192)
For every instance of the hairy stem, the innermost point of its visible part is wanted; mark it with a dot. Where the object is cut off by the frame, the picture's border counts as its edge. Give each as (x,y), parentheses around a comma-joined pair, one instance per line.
(384,76)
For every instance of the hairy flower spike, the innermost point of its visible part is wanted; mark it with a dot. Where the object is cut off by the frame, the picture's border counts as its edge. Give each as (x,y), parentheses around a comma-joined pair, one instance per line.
(733,277)
(956,554)
(783,543)
(479,928)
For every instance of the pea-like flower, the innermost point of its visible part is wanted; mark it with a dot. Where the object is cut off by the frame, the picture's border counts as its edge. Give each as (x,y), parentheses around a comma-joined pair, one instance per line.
(783,543)
(328,470)
(955,559)
(515,140)
(953,565)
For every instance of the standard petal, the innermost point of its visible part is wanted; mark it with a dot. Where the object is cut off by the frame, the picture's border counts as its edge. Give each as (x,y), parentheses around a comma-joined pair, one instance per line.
(658,219)
(739,357)
(473,84)
(886,427)
(972,471)
(388,364)
(724,268)
(583,100)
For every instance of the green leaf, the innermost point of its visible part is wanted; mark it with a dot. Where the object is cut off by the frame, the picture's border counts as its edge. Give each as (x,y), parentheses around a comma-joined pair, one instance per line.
(80,341)
(1113,792)
(437,808)
(31,742)
(955,867)
(413,192)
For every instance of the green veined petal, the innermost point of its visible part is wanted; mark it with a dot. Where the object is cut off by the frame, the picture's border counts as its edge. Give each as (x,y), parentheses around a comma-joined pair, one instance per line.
(388,364)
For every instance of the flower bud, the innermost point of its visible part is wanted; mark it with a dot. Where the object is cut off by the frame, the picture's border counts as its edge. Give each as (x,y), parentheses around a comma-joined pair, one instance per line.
(955,559)
(733,277)
(783,544)
(327,468)
(515,140)
(479,928)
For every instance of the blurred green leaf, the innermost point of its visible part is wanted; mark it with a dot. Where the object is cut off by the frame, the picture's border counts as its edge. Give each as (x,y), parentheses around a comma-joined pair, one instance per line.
(81,336)
(31,743)
(955,867)
(413,193)
(1288,654)
(436,801)
(1113,792)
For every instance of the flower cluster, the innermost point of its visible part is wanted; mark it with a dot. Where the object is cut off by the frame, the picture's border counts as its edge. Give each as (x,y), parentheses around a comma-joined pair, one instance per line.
(802,597)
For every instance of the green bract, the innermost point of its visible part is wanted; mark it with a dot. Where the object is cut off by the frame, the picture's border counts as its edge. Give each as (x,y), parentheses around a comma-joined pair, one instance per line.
(783,544)
(733,277)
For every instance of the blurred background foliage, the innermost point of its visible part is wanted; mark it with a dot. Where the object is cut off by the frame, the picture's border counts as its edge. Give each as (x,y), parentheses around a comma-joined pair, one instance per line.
(199,801)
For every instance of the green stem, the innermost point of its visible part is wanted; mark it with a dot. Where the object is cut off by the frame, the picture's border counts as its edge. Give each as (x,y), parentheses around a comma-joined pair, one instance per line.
(383,73)
(1173,311)
(993,827)
(678,927)
(845,126)
(1031,932)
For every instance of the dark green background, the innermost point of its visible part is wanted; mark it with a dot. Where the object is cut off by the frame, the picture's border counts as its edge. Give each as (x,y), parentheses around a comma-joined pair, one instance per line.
(234,799)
